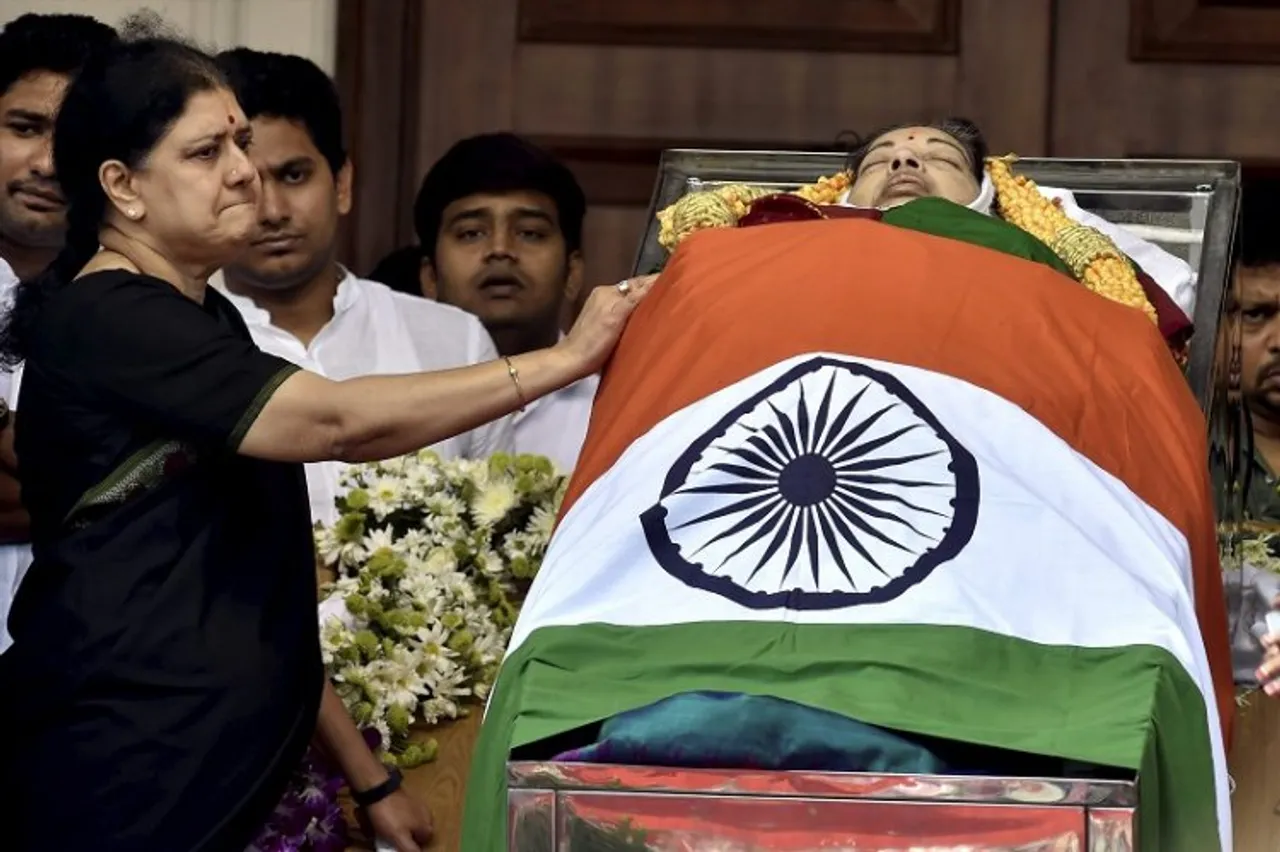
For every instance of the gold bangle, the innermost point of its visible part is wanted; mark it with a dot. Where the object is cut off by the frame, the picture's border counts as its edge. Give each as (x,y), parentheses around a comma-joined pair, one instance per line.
(515,380)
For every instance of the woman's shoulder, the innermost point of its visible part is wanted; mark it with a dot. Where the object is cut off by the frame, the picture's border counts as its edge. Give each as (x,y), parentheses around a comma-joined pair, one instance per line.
(108,304)
(111,292)
(114,282)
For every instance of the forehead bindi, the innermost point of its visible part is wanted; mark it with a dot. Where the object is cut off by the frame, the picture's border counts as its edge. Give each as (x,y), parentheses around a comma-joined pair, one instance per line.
(209,114)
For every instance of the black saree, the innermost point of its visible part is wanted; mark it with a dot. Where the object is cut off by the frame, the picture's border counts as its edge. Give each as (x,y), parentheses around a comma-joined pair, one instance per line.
(166,673)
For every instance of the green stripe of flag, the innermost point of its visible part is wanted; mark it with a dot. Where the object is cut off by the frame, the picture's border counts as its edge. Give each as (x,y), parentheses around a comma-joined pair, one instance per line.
(1133,707)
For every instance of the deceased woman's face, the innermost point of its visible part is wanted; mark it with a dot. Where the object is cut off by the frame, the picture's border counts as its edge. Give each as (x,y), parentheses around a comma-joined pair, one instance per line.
(914,162)
(198,191)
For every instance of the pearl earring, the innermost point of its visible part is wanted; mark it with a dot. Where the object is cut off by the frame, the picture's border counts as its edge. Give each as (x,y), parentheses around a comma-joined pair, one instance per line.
(131,213)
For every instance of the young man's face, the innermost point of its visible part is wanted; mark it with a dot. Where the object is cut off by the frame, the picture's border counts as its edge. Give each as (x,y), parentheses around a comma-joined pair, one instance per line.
(32,211)
(503,257)
(302,201)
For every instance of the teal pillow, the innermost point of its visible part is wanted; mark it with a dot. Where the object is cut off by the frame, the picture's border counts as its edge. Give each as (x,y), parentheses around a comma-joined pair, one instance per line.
(719,730)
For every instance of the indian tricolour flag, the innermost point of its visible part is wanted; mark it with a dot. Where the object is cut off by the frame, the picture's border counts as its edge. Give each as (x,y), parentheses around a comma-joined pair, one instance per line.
(920,483)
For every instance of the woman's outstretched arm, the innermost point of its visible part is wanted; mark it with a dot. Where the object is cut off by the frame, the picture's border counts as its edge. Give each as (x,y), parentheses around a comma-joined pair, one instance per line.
(310,418)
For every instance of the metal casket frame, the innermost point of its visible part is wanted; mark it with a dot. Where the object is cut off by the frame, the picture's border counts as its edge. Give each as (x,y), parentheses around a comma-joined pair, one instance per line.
(1188,208)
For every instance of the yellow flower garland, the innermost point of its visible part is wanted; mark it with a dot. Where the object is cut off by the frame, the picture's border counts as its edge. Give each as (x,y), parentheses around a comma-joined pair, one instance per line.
(1090,255)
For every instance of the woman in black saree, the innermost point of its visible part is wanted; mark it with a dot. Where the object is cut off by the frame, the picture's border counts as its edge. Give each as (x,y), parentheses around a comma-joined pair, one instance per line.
(165,678)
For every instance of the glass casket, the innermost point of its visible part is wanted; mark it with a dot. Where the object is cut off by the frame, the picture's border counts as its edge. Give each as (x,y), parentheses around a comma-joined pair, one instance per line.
(1186,207)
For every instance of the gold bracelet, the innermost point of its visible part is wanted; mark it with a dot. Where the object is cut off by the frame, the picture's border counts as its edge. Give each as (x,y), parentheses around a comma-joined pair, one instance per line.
(515,380)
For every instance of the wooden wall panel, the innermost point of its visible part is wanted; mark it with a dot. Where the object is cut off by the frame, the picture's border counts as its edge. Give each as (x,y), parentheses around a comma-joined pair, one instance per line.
(1105,104)
(999,79)
(610,102)
(880,26)
(467,83)
(377,74)
(1242,31)
(618,171)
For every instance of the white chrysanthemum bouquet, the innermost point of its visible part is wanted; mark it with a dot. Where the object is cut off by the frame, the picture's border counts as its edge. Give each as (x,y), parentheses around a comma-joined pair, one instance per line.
(432,558)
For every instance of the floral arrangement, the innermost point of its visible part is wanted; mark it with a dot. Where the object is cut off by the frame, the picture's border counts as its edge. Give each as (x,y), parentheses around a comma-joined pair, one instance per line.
(432,558)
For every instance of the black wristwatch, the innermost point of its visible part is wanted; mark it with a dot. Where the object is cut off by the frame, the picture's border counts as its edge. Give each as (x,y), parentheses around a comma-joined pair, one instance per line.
(370,797)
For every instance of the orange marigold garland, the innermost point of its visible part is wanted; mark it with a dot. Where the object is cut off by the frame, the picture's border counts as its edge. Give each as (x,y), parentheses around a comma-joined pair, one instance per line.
(1092,257)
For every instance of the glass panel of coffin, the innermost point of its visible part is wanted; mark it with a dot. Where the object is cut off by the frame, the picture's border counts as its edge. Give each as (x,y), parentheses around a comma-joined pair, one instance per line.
(1188,208)
(568,807)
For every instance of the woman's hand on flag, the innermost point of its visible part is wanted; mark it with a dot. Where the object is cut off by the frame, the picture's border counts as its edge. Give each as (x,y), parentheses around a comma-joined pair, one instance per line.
(603,317)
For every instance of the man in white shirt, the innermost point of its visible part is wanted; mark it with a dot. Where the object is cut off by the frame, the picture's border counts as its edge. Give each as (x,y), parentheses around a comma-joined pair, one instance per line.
(298,302)
(38,56)
(500,225)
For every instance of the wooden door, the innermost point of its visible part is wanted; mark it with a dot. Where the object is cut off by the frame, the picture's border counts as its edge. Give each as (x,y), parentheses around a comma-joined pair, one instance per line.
(1189,78)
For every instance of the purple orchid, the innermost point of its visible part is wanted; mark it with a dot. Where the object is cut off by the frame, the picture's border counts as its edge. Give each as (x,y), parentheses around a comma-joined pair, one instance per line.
(309,817)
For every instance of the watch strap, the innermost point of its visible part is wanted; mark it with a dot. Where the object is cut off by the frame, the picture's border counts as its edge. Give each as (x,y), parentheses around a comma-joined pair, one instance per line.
(370,797)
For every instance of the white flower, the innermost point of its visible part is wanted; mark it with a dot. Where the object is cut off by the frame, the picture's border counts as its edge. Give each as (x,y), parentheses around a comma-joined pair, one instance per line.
(384,496)
(378,539)
(542,522)
(440,562)
(493,502)
(414,543)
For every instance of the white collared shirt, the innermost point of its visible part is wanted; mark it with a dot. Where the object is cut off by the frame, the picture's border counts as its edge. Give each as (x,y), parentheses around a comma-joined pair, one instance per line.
(377,331)
(556,425)
(15,559)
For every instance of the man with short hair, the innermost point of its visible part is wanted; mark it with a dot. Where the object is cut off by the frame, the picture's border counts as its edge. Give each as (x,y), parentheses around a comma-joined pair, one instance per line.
(297,300)
(1253,318)
(499,221)
(38,56)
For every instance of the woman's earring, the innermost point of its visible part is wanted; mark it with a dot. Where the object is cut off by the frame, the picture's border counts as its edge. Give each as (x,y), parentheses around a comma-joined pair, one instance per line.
(131,213)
